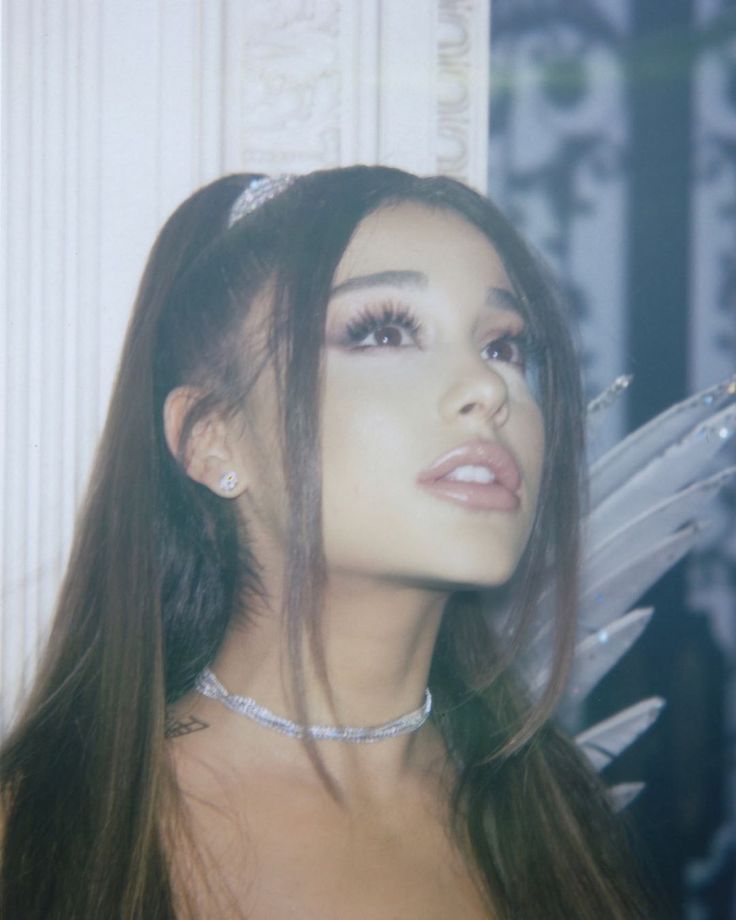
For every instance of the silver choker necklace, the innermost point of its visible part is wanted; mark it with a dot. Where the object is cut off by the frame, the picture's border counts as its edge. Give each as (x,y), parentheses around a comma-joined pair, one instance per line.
(208,685)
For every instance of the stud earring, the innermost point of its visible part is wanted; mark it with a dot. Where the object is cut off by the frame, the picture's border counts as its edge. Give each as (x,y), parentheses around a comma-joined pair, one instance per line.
(228,481)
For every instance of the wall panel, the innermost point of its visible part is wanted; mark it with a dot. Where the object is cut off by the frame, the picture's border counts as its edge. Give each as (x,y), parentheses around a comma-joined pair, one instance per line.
(113,111)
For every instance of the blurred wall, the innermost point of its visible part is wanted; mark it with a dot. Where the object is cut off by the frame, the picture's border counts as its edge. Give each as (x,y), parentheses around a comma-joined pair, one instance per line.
(613,146)
(113,112)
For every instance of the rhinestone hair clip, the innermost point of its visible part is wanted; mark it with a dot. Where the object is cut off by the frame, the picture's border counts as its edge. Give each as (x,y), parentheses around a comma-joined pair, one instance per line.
(256,193)
(208,685)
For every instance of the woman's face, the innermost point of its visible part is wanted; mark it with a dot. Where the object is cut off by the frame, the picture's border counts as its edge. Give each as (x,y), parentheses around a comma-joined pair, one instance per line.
(432,441)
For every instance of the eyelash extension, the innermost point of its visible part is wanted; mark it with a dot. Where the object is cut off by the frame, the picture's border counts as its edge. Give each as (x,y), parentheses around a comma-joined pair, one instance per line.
(373,318)
(389,313)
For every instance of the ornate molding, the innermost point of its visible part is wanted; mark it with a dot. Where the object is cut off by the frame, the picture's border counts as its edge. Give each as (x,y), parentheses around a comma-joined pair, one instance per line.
(463,89)
(115,115)
(319,83)
(283,65)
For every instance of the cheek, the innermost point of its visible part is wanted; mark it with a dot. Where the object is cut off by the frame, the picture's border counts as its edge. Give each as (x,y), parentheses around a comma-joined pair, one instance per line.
(534,449)
(367,414)
(369,450)
(362,439)
(529,446)
(376,439)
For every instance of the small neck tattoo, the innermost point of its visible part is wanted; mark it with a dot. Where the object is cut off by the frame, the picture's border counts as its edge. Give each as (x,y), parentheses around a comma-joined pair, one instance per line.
(208,685)
(175,728)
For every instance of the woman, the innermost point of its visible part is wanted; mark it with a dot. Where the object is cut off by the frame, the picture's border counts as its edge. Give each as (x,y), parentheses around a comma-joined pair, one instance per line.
(340,467)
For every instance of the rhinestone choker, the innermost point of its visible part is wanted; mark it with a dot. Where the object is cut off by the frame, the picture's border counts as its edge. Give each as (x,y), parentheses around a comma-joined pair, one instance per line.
(208,685)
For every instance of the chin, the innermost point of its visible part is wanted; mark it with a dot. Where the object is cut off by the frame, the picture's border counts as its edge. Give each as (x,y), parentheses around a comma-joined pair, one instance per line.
(475,580)
(450,573)
(438,558)
(474,570)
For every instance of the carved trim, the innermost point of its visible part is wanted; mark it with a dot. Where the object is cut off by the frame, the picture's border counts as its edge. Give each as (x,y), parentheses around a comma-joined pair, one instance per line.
(332,82)
(283,85)
(286,71)
(462,90)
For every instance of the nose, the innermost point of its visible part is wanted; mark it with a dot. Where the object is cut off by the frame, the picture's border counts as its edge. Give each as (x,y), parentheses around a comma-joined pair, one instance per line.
(478,395)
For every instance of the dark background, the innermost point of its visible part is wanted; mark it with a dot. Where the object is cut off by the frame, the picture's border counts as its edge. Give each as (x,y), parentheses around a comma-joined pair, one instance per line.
(654,160)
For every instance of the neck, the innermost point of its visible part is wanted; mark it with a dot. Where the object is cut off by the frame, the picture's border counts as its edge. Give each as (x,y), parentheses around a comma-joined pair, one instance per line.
(378,642)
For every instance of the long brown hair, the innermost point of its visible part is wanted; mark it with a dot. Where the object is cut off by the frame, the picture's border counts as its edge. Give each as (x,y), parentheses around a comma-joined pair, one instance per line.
(160,565)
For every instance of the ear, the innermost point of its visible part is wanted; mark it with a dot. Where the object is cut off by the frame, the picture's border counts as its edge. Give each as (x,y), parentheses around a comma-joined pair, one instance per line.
(209,456)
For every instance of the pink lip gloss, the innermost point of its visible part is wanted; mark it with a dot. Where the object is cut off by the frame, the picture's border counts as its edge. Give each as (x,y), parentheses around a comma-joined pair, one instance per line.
(481,475)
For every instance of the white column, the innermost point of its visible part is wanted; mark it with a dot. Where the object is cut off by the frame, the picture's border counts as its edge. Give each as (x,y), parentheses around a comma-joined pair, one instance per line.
(114,111)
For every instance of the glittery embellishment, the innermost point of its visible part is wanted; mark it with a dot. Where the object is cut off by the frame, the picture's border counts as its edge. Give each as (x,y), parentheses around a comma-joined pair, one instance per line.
(208,685)
(724,389)
(228,481)
(258,192)
(610,394)
(722,426)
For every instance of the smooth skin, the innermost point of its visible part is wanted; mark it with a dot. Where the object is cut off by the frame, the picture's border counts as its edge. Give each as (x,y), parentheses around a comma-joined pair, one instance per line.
(275,844)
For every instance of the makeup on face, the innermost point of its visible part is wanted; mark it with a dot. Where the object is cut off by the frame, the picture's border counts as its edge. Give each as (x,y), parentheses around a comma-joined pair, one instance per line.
(390,321)
(432,441)
(432,437)
(481,475)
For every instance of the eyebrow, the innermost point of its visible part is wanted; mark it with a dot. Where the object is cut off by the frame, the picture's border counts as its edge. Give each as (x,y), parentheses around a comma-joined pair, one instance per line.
(497,297)
(504,299)
(382,279)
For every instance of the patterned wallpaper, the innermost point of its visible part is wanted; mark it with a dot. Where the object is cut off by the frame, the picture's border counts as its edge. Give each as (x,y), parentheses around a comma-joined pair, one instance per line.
(613,147)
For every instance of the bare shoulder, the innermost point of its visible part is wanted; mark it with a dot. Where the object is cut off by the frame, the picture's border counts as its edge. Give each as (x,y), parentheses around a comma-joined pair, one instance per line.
(269,840)
(209,766)
(280,848)
(199,744)
(210,855)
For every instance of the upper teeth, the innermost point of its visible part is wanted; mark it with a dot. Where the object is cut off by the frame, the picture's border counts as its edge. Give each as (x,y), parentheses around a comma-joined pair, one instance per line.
(471,474)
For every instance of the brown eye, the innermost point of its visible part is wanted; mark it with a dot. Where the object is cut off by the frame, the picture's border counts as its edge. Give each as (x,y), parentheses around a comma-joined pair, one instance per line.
(387,326)
(507,350)
(389,335)
(386,336)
